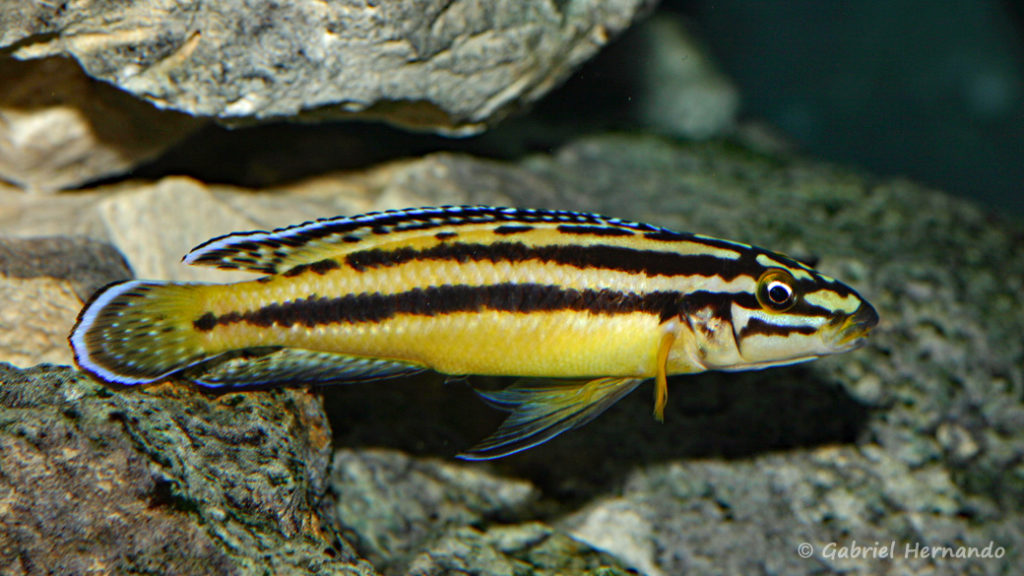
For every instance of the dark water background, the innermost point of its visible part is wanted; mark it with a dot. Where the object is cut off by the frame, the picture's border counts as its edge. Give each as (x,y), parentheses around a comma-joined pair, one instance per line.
(930,90)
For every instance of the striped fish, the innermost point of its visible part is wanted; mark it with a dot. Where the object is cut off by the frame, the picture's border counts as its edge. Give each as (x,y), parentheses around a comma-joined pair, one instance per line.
(591,305)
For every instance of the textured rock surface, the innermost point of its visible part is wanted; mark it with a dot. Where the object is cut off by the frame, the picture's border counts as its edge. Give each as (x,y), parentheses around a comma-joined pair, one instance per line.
(529,548)
(439,65)
(60,129)
(410,516)
(393,506)
(694,517)
(161,481)
(43,282)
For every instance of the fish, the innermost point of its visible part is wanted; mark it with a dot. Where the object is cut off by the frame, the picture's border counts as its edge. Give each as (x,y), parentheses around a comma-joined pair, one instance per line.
(581,307)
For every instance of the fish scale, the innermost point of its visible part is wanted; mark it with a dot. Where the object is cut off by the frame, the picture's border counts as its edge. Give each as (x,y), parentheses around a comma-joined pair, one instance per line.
(589,304)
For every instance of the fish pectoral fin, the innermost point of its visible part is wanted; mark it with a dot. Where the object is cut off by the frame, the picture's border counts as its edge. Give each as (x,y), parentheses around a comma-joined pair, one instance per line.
(543,410)
(268,365)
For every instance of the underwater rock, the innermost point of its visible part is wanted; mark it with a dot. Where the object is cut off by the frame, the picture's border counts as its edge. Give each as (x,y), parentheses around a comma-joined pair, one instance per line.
(161,480)
(443,66)
(530,548)
(43,282)
(392,506)
(795,513)
(61,129)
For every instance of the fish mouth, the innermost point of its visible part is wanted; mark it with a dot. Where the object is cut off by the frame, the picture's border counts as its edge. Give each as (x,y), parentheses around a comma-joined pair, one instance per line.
(855,327)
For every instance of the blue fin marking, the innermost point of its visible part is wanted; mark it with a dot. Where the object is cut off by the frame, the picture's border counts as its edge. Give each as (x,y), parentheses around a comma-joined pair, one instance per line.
(542,412)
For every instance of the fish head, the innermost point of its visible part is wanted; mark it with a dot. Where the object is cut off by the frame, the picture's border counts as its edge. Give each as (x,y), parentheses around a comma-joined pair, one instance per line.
(779,312)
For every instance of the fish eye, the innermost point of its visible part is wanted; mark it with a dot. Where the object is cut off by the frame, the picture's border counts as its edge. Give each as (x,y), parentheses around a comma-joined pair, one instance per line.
(775,290)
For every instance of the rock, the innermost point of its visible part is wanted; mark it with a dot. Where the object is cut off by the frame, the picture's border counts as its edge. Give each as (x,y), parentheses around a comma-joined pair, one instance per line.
(61,129)
(43,282)
(161,480)
(157,225)
(393,507)
(795,513)
(505,550)
(442,66)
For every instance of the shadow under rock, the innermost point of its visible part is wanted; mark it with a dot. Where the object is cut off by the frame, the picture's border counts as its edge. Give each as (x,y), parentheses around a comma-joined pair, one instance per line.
(711,415)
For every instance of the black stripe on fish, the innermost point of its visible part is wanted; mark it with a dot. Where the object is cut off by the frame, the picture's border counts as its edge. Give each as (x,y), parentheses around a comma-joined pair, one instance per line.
(320,267)
(616,258)
(440,300)
(595,230)
(757,326)
(506,229)
(717,300)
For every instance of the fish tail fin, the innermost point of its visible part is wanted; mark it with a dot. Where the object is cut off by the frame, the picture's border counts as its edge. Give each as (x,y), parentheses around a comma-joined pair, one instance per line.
(541,412)
(138,332)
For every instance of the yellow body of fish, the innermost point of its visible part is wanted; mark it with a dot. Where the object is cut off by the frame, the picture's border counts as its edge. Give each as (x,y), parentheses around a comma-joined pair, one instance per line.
(599,302)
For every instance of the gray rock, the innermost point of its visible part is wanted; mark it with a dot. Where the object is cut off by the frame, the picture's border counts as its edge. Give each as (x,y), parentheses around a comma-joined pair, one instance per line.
(61,129)
(833,510)
(416,516)
(530,548)
(446,66)
(162,480)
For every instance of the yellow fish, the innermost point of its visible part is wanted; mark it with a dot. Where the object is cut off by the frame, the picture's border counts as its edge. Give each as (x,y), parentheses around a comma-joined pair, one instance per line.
(594,305)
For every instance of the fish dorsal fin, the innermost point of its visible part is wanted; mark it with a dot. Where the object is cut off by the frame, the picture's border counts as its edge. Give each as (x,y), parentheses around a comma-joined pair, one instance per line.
(279,250)
(541,411)
(270,365)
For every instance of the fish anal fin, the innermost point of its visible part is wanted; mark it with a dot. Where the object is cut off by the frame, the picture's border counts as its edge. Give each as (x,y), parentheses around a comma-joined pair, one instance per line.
(270,365)
(542,410)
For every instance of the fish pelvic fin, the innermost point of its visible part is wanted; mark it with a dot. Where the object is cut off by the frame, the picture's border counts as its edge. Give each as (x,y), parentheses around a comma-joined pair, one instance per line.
(661,378)
(269,365)
(137,332)
(543,410)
